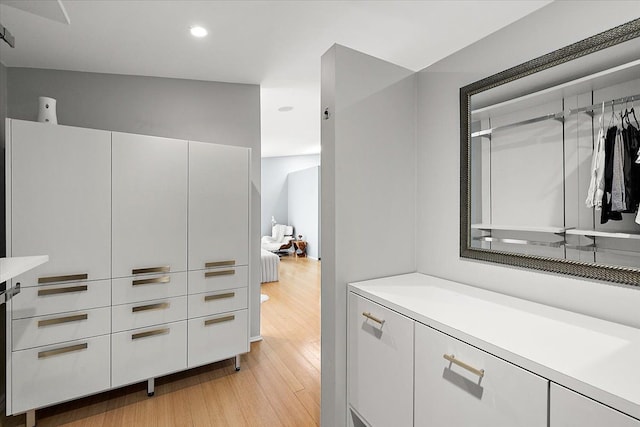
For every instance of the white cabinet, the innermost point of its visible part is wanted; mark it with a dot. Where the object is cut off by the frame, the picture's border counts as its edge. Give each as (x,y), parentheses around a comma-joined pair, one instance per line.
(380,363)
(459,385)
(149,203)
(217,337)
(570,409)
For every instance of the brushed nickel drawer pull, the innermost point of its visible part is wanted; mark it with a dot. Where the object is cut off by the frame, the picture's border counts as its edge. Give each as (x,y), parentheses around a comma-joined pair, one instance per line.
(43,292)
(62,350)
(372,317)
(219,273)
(150,333)
(65,319)
(163,279)
(219,296)
(219,320)
(67,278)
(219,263)
(451,358)
(164,269)
(158,306)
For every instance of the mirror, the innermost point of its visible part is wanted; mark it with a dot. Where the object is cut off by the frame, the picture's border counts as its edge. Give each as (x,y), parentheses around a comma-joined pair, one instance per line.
(531,193)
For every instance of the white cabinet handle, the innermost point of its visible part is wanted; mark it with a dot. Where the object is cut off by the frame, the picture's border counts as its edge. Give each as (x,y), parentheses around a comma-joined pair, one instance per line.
(49,353)
(451,358)
(372,317)
(67,278)
(58,320)
(163,279)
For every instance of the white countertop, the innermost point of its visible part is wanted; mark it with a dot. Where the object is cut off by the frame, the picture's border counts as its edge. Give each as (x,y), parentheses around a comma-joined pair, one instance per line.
(12,267)
(590,356)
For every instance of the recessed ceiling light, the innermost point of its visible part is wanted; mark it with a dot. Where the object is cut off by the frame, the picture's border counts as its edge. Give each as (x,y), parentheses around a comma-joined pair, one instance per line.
(197,31)
(285,108)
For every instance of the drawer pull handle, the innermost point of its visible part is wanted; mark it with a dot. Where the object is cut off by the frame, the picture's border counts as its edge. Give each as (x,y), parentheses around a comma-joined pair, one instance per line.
(157,306)
(164,269)
(372,317)
(451,358)
(67,278)
(43,292)
(163,279)
(219,320)
(219,263)
(219,273)
(65,319)
(54,352)
(150,333)
(219,296)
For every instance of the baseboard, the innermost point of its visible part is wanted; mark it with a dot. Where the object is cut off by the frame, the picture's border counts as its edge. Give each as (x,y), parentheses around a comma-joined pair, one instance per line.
(255,339)
(315,259)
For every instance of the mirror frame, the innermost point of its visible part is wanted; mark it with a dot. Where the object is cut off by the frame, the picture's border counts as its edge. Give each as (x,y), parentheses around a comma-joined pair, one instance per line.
(626,275)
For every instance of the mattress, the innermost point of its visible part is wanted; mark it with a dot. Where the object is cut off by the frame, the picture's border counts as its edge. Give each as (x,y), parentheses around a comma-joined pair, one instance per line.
(269,264)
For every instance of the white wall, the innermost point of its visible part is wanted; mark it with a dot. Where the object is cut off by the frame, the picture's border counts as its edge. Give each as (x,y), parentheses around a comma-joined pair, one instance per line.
(304,207)
(368,194)
(550,28)
(275,199)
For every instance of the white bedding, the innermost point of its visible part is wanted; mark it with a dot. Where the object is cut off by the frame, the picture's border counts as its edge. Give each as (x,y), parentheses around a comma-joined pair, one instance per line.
(269,264)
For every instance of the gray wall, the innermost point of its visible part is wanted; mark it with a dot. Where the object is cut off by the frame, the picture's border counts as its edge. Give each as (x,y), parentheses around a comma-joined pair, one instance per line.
(3,341)
(275,199)
(368,194)
(304,204)
(439,159)
(222,113)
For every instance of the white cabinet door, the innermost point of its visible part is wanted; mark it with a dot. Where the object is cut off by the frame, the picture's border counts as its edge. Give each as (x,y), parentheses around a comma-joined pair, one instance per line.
(380,363)
(217,337)
(59,192)
(454,391)
(218,204)
(149,203)
(570,409)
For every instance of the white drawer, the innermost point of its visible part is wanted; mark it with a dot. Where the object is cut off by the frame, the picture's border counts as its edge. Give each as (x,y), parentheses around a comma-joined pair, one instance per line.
(50,299)
(218,337)
(148,313)
(52,329)
(217,302)
(218,279)
(380,363)
(148,353)
(147,287)
(570,409)
(502,395)
(41,377)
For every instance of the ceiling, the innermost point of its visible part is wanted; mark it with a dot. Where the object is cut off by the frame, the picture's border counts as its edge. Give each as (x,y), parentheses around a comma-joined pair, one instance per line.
(276,44)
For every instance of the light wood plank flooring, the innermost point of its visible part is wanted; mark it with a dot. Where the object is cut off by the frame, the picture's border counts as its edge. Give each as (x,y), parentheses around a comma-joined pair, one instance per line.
(278,385)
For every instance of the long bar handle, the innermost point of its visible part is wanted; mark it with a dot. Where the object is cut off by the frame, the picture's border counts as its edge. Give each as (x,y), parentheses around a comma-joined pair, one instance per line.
(66,278)
(163,269)
(372,317)
(43,292)
(219,296)
(219,263)
(158,306)
(66,319)
(150,333)
(219,320)
(219,273)
(62,350)
(451,358)
(163,279)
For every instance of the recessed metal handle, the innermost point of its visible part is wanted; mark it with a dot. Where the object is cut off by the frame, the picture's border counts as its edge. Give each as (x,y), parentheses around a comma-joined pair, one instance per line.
(66,319)
(62,350)
(372,317)
(219,320)
(150,333)
(219,296)
(43,292)
(163,279)
(67,278)
(219,263)
(164,269)
(219,273)
(451,358)
(158,306)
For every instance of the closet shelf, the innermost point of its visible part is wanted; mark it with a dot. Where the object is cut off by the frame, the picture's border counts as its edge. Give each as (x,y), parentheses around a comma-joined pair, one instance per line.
(594,234)
(557,244)
(489,227)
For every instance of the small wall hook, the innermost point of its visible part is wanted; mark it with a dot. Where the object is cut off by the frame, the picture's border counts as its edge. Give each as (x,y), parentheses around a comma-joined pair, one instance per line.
(325,114)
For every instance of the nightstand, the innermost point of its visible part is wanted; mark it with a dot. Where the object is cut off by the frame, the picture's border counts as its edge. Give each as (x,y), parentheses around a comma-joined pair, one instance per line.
(300,248)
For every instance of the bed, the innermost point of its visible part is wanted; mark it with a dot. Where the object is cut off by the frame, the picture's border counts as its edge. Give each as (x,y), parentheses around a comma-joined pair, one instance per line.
(269,263)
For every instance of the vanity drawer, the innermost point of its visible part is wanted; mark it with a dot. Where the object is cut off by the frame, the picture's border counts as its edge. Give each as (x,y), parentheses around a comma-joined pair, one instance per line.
(218,337)
(217,302)
(46,375)
(146,287)
(148,353)
(50,299)
(51,329)
(218,279)
(473,388)
(148,313)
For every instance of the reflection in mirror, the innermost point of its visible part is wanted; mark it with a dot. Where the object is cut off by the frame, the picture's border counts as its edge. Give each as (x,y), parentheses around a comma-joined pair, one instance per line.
(553,166)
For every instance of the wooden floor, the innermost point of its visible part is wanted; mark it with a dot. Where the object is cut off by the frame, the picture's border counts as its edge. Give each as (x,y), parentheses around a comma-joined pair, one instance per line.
(278,385)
